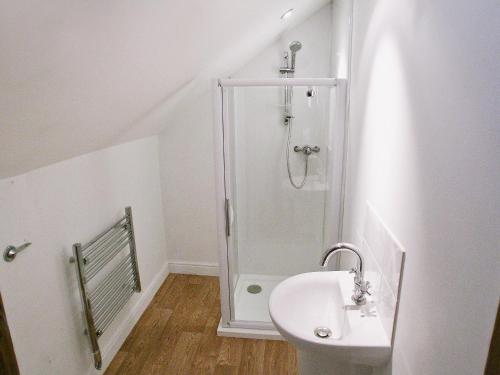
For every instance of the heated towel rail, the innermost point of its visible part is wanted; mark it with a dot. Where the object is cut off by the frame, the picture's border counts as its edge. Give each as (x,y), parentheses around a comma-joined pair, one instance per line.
(107,277)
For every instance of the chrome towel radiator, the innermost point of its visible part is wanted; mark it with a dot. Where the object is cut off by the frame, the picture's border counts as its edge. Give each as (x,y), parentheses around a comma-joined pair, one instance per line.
(116,277)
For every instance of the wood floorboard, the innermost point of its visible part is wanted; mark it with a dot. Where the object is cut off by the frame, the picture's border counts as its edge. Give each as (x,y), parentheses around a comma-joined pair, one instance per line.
(252,357)
(177,334)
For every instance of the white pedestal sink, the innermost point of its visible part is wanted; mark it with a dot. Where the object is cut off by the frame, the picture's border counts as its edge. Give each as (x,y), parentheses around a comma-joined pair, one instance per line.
(357,344)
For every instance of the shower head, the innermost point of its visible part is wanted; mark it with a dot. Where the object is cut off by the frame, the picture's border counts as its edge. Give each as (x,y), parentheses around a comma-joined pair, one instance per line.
(294,46)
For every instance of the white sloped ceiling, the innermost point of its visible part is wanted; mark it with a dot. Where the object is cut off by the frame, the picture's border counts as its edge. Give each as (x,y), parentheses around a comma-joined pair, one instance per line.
(77,76)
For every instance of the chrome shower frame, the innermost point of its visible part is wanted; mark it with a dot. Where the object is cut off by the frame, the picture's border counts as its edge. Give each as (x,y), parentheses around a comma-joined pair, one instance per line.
(229,326)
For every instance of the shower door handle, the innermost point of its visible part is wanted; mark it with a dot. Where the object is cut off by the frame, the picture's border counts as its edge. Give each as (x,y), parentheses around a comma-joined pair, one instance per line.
(227,208)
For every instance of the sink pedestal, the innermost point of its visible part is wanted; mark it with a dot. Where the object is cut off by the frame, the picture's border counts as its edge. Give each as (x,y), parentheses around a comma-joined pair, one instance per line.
(313,363)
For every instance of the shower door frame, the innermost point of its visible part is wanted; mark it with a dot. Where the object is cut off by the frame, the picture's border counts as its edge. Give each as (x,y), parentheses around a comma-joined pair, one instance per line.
(223,186)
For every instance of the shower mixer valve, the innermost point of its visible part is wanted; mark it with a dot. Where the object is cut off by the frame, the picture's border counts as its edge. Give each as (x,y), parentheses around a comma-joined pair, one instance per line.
(306,149)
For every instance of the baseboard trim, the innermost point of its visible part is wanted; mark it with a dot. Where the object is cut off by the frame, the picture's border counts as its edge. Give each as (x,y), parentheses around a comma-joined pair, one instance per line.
(110,350)
(194,268)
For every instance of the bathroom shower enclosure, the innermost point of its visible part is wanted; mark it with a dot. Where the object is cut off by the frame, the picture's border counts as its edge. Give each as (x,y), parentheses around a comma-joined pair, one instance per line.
(275,216)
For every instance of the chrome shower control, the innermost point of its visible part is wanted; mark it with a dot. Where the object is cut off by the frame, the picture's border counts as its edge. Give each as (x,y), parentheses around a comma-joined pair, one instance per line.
(306,149)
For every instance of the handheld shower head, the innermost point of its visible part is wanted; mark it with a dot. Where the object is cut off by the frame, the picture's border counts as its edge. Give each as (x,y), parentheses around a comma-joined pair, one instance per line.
(294,46)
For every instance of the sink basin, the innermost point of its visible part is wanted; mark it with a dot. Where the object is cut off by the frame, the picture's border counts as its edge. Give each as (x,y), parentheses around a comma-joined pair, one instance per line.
(350,336)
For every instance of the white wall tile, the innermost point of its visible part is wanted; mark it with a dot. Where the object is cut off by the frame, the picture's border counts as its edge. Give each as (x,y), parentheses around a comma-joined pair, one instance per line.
(384,258)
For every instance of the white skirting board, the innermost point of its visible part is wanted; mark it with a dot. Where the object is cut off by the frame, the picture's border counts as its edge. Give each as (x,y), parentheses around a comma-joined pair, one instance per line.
(194,268)
(126,326)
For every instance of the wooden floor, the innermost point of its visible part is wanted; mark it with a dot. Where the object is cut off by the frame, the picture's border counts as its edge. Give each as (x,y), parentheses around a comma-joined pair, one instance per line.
(177,335)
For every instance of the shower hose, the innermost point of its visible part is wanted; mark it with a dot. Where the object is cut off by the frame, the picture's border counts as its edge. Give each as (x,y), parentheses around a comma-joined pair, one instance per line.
(303,182)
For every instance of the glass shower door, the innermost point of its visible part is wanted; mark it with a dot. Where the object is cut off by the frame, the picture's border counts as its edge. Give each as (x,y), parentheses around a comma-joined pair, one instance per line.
(282,194)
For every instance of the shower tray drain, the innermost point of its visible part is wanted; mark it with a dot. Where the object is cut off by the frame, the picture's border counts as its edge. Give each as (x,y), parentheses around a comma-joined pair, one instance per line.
(323,332)
(254,289)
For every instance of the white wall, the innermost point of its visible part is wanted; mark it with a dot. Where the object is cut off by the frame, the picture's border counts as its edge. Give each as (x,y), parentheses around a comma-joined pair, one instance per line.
(78,76)
(313,59)
(341,37)
(186,147)
(425,151)
(188,187)
(53,208)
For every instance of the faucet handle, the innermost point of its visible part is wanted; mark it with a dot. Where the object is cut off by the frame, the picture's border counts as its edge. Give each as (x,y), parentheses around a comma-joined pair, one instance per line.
(365,287)
(368,288)
(361,288)
(353,270)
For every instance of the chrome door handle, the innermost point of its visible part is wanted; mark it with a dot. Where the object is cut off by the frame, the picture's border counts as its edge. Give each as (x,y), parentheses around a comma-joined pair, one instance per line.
(11,251)
(227,208)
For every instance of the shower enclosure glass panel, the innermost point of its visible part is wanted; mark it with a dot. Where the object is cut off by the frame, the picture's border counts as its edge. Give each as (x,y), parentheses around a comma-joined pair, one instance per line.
(277,229)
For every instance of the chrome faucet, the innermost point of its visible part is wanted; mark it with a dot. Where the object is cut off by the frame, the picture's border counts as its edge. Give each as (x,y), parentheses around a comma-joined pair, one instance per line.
(361,287)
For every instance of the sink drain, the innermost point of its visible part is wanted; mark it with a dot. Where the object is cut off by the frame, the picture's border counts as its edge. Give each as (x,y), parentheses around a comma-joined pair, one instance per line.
(254,289)
(323,332)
